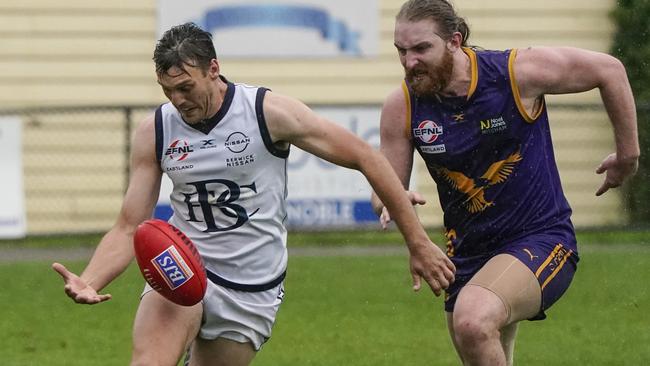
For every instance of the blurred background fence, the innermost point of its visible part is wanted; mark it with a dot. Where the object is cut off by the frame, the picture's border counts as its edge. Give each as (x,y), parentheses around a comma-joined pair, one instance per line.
(76,165)
(92,53)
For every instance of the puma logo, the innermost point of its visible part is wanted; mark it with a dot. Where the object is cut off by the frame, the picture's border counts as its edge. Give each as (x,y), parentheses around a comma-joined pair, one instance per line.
(532,257)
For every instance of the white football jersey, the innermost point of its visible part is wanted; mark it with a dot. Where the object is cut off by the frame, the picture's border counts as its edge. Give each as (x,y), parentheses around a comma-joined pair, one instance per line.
(229,187)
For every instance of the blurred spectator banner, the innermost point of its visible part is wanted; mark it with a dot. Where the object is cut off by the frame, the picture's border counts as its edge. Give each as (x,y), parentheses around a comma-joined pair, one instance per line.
(12,210)
(298,28)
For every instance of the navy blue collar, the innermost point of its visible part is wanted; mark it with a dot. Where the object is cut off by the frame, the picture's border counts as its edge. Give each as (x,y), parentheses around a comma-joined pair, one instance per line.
(208,124)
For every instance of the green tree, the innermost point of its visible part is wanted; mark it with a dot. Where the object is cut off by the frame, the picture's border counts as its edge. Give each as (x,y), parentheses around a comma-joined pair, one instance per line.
(632,46)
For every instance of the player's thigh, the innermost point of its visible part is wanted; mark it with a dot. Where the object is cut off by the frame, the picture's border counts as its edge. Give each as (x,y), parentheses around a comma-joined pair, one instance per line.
(513,283)
(240,316)
(221,352)
(162,330)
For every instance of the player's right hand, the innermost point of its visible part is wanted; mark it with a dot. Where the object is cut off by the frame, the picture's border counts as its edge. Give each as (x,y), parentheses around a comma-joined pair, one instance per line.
(77,289)
(430,263)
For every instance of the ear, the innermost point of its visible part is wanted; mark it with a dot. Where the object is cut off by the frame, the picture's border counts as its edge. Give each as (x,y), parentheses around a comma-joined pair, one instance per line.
(455,42)
(214,69)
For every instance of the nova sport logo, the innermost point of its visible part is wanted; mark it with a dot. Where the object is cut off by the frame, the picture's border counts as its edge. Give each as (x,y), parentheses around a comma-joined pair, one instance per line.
(179,150)
(427,131)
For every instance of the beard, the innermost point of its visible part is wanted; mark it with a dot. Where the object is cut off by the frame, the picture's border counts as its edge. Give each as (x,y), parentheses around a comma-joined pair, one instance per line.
(429,80)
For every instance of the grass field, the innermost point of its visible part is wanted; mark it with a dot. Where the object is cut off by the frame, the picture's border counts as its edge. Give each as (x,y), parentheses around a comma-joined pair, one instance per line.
(338,238)
(356,310)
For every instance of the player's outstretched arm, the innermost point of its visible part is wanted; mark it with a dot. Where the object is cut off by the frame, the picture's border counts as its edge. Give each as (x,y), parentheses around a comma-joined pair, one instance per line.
(290,121)
(562,70)
(115,250)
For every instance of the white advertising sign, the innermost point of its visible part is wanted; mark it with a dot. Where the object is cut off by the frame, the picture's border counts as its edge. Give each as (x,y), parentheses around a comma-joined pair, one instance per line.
(13,223)
(289,28)
(325,195)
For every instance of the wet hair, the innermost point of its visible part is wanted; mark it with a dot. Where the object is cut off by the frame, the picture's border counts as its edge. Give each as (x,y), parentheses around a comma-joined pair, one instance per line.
(181,45)
(441,12)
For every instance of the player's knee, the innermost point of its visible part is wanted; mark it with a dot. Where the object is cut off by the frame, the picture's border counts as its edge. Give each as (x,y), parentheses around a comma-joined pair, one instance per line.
(471,330)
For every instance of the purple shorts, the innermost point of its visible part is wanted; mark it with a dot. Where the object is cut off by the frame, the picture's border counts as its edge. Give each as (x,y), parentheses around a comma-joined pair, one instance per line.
(552,257)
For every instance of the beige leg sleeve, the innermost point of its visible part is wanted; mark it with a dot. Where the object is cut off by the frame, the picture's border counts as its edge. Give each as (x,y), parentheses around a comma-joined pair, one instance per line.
(514,283)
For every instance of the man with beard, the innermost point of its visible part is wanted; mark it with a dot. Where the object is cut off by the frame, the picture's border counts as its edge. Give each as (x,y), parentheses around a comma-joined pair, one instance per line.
(478,119)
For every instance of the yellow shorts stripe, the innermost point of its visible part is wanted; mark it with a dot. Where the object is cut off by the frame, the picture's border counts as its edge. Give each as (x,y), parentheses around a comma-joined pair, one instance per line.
(548,260)
(557,269)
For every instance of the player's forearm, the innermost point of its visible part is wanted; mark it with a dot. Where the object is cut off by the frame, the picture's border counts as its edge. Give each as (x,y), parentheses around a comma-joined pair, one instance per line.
(391,194)
(619,102)
(376,204)
(111,258)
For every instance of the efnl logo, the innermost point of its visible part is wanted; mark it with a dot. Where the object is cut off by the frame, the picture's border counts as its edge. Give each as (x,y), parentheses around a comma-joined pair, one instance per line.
(179,150)
(172,267)
(427,131)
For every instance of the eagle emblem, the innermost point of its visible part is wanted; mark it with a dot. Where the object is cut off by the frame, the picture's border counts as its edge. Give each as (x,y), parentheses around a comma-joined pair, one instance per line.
(497,173)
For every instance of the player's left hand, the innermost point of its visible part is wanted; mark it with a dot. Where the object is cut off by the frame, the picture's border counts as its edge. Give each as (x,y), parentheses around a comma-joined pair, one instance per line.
(616,171)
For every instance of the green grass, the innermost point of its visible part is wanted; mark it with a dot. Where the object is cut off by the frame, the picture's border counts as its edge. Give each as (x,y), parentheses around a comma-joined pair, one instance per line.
(338,238)
(53,241)
(343,311)
(618,236)
(41,326)
(296,238)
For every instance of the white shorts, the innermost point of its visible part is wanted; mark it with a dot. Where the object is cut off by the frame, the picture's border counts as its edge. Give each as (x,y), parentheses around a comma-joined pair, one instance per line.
(238,315)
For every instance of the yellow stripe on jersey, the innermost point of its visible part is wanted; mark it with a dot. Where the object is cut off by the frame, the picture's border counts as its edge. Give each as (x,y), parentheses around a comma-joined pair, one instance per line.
(557,269)
(515,91)
(407,97)
(474,67)
(548,260)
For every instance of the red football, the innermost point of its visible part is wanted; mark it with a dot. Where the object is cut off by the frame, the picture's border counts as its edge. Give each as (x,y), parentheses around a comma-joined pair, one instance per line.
(170,262)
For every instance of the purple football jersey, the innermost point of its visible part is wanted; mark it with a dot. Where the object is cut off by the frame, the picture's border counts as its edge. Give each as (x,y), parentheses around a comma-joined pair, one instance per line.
(492,162)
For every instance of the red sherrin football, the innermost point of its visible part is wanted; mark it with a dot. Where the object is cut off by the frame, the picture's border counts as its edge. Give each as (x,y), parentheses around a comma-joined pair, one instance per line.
(170,262)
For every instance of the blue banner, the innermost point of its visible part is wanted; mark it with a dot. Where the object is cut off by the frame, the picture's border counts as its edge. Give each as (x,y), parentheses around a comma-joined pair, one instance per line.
(324,213)
(313,213)
(330,29)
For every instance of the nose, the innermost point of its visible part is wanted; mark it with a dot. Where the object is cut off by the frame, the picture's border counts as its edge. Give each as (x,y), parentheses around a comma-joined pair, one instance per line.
(176,98)
(410,60)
